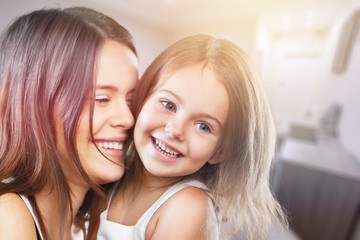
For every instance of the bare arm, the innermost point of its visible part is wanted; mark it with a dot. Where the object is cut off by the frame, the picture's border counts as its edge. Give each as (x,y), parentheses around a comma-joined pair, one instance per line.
(183,217)
(16,221)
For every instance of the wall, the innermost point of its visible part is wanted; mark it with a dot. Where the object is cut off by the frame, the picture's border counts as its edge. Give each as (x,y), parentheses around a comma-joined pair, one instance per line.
(149,40)
(297,71)
(293,61)
(242,33)
(344,88)
(290,61)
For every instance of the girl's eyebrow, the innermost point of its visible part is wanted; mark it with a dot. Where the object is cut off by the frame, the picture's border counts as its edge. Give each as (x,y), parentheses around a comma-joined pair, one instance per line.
(178,98)
(204,115)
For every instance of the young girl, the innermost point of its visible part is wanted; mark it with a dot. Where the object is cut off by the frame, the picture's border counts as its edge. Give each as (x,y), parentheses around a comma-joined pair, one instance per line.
(204,139)
(66,81)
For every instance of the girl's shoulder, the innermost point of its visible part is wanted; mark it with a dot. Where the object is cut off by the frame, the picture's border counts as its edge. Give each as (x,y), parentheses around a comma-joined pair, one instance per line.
(16,221)
(189,194)
(192,194)
(184,215)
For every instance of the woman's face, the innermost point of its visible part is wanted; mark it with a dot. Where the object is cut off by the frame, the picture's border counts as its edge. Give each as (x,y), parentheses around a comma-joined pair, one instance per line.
(112,118)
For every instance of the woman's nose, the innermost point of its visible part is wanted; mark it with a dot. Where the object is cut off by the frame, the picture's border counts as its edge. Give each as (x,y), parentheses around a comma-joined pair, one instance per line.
(123,117)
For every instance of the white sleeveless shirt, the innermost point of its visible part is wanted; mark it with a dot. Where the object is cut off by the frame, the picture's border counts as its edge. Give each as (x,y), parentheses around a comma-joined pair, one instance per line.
(31,210)
(111,230)
(79,235)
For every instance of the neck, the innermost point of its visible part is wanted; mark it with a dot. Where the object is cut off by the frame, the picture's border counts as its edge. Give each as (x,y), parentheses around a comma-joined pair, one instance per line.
(151,181)
(77,194)
(142,178)
(51,210)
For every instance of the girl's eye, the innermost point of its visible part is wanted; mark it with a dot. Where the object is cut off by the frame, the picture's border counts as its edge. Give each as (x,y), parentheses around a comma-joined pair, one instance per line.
(102,99)
(169,106)
(203,127)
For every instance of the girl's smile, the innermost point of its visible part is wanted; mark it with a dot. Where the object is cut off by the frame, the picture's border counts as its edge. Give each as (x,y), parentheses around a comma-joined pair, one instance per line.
(165,152)
(176,134)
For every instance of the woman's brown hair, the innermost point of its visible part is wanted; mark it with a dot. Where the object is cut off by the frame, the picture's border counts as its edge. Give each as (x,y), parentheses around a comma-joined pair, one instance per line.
(48,61)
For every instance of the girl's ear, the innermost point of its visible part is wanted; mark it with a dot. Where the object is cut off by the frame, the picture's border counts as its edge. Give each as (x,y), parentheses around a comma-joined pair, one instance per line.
(216,158)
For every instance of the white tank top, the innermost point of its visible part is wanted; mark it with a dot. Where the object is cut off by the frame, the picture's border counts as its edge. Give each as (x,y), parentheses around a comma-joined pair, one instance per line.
(31,210)
(79,235)
(113,231)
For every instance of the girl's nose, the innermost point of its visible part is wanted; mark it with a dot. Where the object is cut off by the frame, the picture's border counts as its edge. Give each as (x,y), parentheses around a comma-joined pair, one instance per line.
(175,129)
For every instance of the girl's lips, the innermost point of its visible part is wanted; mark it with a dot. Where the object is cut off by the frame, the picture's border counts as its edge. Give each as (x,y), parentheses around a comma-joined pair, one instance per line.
(165,150)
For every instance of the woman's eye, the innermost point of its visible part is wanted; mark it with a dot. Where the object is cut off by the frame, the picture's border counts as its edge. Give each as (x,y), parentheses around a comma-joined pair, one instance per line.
(169,106)
(203,127)
(102,99)
(129,100)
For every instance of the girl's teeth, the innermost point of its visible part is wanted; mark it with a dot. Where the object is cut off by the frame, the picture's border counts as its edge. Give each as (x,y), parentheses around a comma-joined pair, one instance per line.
(162,146)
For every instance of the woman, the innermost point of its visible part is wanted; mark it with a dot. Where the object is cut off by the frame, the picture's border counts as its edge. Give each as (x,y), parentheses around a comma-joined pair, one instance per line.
(67,79)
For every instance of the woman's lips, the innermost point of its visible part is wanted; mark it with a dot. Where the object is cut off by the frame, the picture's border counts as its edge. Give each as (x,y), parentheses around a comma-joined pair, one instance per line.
(111,148)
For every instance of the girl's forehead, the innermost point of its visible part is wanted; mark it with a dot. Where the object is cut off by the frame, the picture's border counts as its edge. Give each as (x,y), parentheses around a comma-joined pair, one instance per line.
(169,73)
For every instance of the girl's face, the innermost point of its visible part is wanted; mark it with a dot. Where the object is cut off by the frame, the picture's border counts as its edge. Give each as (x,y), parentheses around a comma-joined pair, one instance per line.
(180,124)
(112,118)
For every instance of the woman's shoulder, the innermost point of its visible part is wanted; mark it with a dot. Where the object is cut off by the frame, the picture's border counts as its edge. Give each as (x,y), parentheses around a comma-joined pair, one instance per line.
(12,204)
(15,219)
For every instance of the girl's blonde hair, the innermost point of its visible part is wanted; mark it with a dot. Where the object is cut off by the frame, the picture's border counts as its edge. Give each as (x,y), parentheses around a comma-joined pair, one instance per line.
(240,182)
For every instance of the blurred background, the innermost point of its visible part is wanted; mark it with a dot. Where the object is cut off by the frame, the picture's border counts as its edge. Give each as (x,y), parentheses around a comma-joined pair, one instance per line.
(308,55)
